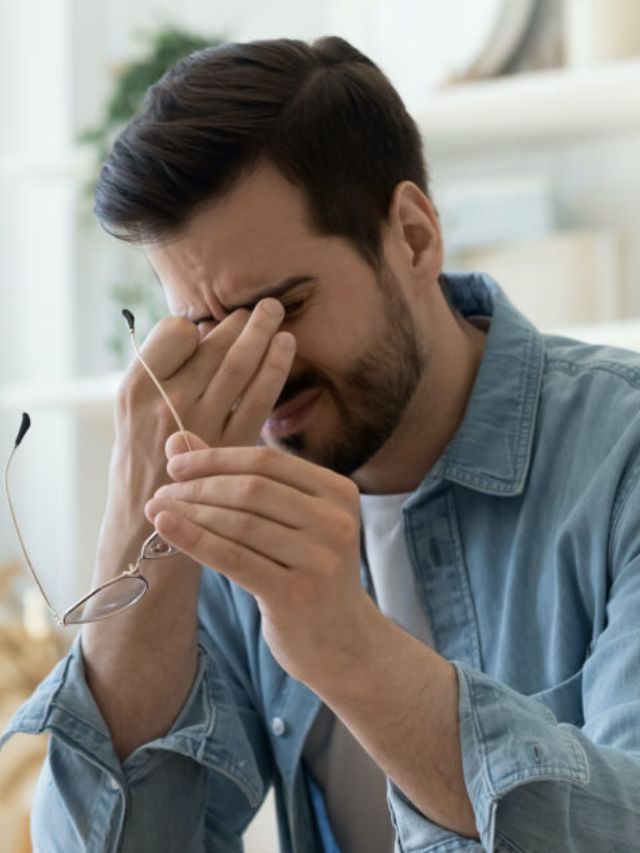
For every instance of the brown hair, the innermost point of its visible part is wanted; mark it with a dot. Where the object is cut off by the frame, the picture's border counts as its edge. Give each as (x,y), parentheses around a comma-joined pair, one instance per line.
(322,113)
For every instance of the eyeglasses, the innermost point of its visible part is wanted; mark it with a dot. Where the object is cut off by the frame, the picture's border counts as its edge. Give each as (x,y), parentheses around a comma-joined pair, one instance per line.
(125,590)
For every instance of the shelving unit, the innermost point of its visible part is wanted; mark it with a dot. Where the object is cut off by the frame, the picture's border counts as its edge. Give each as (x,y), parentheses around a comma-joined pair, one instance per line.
(525,108)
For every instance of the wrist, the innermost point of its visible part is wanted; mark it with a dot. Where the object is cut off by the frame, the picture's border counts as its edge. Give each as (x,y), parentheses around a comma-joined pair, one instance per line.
(357,651)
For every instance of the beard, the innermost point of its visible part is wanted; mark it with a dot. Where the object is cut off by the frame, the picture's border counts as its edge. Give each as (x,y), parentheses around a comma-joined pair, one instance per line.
(371,395)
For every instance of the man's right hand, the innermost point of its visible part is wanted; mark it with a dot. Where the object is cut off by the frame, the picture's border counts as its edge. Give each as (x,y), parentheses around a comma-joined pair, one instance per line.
(140,664)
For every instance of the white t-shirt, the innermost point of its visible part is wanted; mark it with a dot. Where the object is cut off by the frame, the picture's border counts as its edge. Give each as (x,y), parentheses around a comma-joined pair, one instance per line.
(354,786)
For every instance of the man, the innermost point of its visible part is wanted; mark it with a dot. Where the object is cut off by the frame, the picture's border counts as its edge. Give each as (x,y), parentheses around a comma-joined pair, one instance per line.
(425,580)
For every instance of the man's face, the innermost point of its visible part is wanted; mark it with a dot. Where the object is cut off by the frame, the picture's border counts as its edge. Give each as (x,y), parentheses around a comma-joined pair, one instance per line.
(359,356)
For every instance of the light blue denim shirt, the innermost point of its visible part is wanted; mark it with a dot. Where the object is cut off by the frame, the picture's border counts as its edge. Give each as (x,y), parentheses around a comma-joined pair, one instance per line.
(525,542)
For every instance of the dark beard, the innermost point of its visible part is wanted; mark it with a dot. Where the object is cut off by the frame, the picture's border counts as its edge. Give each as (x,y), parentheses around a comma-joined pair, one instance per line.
(374,392)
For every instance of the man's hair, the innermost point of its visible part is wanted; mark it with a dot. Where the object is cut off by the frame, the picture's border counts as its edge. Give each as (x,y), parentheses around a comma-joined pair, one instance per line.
(322,113)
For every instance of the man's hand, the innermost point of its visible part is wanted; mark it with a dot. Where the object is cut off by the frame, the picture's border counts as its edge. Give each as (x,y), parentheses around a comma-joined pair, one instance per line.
(285,530)
(223,385)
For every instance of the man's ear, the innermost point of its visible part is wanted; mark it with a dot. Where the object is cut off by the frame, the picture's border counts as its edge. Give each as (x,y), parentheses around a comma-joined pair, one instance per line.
(414,224)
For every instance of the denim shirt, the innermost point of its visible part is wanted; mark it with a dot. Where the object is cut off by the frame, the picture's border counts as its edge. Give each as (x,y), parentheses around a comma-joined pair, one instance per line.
(525,542)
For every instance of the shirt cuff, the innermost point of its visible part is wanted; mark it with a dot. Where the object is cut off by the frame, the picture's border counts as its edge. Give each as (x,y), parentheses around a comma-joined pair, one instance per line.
(508,740)
(207,728)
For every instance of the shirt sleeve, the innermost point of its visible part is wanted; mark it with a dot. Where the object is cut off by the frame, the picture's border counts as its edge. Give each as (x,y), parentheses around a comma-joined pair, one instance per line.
(535,781)
(195,789)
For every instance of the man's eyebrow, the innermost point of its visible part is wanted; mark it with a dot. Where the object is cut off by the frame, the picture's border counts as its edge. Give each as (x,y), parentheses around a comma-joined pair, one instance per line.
(274,292)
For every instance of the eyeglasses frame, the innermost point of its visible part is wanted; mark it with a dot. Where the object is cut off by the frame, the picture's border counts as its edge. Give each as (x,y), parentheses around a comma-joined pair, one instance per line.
(153,548)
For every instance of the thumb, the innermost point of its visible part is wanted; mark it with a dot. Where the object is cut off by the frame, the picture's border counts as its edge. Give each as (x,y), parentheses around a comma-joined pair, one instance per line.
(176,443)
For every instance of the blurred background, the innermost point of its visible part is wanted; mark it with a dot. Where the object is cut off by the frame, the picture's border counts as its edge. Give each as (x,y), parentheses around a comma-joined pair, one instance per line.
(530,116)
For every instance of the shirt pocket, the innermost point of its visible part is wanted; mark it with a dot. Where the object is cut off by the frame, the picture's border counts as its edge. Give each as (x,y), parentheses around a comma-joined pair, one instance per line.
(564,700)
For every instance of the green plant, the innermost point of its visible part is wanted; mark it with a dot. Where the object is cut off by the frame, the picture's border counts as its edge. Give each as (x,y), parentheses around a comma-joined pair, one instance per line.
(164,48)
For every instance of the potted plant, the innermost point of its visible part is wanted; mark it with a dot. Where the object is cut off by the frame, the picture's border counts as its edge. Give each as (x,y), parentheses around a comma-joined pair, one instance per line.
(164,48)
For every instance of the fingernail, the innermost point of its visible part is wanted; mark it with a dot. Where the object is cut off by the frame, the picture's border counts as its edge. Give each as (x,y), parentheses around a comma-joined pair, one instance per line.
(273,307)
(176,463)
(285,341)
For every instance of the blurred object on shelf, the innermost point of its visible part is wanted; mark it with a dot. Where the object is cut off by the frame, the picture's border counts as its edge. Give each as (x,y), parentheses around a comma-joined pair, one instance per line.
(511,20)
(495,211)
(542,46)
(568,278)
(29,648)
(601,31)
(425,44)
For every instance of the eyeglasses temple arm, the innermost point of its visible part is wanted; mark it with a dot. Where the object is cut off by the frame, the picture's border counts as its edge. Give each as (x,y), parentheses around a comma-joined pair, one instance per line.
(21,540)
(165,397)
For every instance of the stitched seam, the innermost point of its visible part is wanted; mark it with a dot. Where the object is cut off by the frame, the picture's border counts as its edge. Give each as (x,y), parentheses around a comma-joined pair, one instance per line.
(510,845)
(621,371)
(463,577)
(631,482)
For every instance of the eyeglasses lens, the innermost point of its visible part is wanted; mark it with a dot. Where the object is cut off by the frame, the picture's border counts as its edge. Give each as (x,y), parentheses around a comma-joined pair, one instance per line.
(108,601)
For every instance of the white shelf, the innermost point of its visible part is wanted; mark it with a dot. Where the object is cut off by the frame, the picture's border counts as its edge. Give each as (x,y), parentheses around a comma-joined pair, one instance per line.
(616,333)
(94,393)
(71,164)
(525,108)
(97,394)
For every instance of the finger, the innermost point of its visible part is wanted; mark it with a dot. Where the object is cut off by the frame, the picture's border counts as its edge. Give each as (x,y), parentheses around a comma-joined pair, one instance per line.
(209,355)
(167,347)
(268,462)
(278,543)
(260,396)
(243,359)
(176,443)
(251,493)
(251,571)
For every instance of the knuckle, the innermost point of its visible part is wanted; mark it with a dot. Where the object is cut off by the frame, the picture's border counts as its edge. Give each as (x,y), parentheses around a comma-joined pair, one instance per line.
(235,556)
(172,325)
(266,458)
(123,393)
(233,365)
(251,489)
(300,596)
(130,392)
(179,399)
(347,492)
(331,565)
(345,527)
(351,490)
(168,329)
(243,525)
(197,489)
(259,403)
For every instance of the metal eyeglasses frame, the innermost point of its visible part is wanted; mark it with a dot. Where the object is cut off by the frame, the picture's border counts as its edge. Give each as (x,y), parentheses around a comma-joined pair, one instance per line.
(153,548)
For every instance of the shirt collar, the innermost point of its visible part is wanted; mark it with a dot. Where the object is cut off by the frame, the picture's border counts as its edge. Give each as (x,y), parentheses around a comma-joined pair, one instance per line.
(491,449)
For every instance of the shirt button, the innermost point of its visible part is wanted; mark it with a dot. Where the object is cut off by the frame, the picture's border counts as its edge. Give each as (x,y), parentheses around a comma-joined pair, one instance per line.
(113,784)
(278,726)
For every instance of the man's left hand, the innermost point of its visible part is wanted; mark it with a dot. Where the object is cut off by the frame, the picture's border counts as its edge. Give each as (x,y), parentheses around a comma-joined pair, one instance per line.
(288,532)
